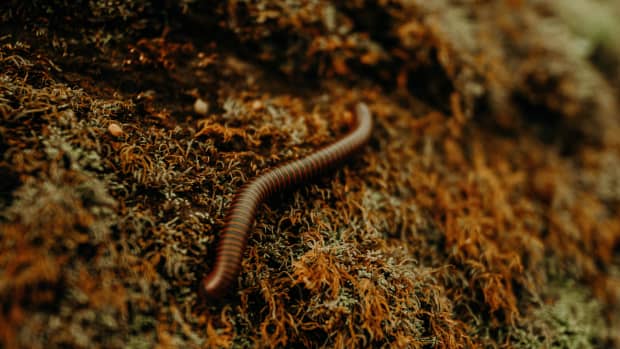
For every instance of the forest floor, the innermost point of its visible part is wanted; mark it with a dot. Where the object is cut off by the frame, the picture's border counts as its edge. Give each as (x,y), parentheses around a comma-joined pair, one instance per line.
(484,212)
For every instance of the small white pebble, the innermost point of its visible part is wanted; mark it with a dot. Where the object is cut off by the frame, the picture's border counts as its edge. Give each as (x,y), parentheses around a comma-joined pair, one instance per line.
(257,104)
(201,107)
(115,129)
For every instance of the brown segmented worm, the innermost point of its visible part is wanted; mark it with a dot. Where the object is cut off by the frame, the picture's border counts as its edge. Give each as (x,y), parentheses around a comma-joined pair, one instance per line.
(243,208)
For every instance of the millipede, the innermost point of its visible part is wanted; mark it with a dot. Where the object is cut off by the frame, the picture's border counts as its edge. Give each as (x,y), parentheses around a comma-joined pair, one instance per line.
(243,208)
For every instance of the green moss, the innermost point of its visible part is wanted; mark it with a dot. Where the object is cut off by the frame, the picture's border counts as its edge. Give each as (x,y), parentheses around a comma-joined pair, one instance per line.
(570,318)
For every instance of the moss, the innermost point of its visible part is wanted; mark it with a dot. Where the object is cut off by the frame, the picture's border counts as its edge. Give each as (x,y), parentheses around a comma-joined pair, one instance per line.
(484,211)
(568,318)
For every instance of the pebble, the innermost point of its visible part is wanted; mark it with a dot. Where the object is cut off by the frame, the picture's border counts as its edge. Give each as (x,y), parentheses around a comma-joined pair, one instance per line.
(201,107)
(115,129)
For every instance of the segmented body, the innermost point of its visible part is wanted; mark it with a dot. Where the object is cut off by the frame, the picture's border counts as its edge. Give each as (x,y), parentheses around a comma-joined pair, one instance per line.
(243,209)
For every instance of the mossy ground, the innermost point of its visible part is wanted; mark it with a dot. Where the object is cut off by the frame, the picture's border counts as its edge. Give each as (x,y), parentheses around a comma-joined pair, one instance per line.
(485,212)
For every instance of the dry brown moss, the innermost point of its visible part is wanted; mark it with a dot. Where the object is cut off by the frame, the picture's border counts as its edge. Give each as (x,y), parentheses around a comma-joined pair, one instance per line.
(486,184)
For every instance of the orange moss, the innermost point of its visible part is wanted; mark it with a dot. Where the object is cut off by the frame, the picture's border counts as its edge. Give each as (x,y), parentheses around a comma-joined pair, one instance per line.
(484,206)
